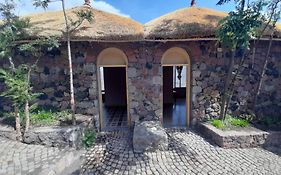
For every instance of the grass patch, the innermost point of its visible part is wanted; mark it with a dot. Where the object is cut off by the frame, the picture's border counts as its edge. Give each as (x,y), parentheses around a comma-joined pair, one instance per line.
(239,122)
(43,118)
(229,122)
(48,118)
(218,123)
(39,116)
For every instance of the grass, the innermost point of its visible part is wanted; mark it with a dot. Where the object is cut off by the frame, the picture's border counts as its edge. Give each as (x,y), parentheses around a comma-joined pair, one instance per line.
(43,118)
(39,116)
(48,117)
(218,123)
(239,122)
(229,122)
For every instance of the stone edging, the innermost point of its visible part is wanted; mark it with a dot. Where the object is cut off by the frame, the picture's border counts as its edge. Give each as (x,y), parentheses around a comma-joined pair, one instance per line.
(234,139)
(62,137)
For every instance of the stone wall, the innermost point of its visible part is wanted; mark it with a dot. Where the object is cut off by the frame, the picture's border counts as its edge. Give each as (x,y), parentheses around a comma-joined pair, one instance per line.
(145,78)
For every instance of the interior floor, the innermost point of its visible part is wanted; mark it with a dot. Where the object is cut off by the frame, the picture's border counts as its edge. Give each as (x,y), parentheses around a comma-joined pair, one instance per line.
(115,117)
(174,115)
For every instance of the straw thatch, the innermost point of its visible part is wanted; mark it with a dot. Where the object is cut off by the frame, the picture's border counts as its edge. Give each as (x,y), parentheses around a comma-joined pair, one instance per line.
(188,23)
(105,26)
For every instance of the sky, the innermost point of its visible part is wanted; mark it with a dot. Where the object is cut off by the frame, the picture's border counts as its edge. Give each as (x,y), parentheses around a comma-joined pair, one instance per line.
(140,10)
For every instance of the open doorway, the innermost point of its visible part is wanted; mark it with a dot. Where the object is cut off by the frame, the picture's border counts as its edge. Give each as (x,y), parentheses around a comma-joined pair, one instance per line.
(174,96)
(113,89)
(176,88)
(114,96)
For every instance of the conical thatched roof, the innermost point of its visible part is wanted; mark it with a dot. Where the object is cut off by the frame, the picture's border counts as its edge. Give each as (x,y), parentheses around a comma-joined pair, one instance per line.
(105,26)
(188,23)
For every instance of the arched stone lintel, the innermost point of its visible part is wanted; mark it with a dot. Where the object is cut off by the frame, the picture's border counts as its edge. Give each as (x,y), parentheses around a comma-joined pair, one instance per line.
(175,56)
(112,57)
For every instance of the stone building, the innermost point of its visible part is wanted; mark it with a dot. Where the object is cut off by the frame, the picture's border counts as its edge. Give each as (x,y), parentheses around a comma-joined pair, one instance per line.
(170,69)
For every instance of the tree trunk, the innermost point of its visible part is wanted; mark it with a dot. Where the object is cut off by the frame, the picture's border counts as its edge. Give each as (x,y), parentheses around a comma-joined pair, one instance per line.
(227,83)
(232,84)
(72,98)
(263,71)
(17,114)
(26,108)
(12,63)
(27,116)
(18,127)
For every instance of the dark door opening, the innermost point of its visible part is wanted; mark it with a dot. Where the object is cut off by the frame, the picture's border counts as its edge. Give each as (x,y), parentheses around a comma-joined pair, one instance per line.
(174,96)
(114,97)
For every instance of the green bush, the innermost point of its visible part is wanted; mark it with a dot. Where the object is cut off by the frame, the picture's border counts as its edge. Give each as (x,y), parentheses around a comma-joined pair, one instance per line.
(89,138)
(218,124)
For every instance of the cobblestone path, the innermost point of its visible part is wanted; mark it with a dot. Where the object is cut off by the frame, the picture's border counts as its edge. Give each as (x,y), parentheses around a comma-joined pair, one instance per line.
(188,154)
(21,159)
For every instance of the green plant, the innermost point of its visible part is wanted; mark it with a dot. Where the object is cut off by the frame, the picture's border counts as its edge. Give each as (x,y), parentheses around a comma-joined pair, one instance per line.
(63,115)
(17,79)
(239,122)
(218,123)
(228,122)
(89,138)
(43,118)
(235,33)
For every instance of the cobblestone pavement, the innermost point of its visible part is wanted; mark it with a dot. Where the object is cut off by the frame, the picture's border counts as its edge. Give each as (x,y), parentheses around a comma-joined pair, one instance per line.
(188,153)
(18,158)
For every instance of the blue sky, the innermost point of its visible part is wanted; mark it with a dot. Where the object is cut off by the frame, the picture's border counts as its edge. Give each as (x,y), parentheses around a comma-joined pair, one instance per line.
(139,10)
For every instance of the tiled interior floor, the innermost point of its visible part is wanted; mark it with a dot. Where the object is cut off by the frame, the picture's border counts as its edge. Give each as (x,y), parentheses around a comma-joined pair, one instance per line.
(115,117)
(174,115)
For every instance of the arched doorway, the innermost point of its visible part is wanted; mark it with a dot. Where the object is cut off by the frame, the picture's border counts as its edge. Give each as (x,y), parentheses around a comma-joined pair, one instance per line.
(112,66)
(176,88)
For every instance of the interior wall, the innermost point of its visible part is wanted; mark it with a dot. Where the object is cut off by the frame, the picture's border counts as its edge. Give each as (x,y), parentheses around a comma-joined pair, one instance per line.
(115,86)
(168,85)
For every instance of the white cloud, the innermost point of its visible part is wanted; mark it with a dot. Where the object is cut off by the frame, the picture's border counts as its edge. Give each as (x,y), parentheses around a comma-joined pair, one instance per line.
(101,5)
(26,7)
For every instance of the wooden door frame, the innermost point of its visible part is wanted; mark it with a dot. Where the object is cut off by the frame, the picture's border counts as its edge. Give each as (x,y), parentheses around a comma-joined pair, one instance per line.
(101,117)
(187,95)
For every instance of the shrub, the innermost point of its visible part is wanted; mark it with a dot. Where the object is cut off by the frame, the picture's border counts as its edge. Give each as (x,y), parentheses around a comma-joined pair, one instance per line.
(89,137)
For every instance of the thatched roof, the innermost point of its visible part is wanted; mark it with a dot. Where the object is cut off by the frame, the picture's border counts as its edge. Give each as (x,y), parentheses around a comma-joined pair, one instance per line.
(105,26)
(188,23)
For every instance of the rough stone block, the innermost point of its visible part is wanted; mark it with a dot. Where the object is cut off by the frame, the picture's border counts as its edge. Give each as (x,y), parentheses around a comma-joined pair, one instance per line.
(149,136)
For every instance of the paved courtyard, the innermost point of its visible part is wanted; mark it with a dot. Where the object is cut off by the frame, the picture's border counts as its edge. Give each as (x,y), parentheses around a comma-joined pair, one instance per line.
(188,153)
(21,159)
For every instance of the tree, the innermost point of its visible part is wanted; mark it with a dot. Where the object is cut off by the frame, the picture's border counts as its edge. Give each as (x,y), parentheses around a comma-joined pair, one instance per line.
(12,29)
(17,79)
(274,11)
(234,33)
(70,27)
(36,48)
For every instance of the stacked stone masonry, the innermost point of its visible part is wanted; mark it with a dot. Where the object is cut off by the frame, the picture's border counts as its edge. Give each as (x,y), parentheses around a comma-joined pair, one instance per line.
(208,69)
